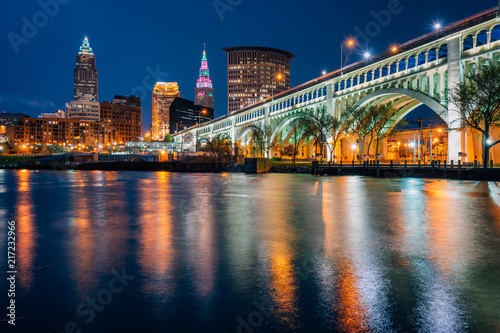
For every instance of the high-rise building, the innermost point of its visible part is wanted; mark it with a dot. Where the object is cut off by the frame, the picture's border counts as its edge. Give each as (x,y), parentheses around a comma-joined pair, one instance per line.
(256,73)
(184,114)
(83,110)
(124,115)
(164,94)
(85,85)
(204,91)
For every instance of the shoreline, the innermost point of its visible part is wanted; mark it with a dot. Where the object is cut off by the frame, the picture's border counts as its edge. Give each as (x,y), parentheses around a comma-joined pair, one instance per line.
(382,171)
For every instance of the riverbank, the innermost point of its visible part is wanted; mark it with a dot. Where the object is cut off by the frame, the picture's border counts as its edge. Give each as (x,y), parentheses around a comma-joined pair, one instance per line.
(382,171)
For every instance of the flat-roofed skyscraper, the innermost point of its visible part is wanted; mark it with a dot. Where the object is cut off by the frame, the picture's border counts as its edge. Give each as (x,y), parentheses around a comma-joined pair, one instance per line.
(255,73)
(85,85)
(164,94)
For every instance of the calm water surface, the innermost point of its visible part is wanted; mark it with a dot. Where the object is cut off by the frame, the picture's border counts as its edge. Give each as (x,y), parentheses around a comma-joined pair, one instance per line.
(236,253)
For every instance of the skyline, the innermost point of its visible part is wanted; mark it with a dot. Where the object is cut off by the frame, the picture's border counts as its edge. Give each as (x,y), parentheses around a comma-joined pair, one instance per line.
(176,59)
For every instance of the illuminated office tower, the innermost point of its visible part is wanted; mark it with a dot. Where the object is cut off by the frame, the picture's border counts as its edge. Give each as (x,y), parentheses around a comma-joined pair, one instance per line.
(255,73)
(204,91)
(164,94)
(85,84)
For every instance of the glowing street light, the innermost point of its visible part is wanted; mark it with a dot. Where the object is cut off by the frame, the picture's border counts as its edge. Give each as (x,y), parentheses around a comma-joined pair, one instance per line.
(437,25)
(394,49)
(350,43)
(278,77)
(353,147)
(323,72)
(202,112)
(367,55)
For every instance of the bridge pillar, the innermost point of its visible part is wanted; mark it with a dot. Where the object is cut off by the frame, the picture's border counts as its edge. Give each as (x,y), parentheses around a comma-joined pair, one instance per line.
(233,135)
(454,129)
(330,110)
(430,85)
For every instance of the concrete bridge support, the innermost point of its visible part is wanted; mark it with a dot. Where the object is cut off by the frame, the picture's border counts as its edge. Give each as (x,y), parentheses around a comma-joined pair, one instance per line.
(455,144)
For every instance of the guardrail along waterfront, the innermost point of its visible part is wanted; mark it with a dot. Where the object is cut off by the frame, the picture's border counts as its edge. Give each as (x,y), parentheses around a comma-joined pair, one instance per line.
(463,171)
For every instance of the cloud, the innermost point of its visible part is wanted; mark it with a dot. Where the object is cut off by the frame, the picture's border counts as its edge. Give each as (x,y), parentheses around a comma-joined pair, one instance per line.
(18,101)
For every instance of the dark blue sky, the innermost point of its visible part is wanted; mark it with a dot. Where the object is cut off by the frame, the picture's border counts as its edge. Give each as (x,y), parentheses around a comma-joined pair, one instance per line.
(132,39)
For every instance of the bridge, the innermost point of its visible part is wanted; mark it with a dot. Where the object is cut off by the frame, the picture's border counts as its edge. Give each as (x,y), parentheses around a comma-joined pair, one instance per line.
(418,73)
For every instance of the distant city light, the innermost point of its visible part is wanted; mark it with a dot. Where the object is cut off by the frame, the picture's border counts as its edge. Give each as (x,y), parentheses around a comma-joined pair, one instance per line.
(367,55)
(437,26)
(394,49)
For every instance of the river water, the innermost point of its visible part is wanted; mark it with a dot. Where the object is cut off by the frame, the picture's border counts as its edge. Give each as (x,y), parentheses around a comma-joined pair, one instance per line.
(167,252)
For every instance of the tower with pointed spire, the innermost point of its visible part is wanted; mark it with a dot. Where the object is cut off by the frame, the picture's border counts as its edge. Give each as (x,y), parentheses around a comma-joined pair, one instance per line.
(204,91)
(85,84)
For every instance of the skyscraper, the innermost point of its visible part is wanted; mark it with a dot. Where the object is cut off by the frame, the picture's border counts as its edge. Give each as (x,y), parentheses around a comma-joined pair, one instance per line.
(164,94)
(85,76)
(184,114)
(255,73)
(204,91)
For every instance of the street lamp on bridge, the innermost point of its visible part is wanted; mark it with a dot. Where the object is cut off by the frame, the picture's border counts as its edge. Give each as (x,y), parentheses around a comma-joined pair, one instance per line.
(350,43)
(202,112)
(278,77)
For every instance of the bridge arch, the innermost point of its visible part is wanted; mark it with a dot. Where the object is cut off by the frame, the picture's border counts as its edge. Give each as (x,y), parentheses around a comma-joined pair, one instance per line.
(244,132)
(419,98)
(283,124)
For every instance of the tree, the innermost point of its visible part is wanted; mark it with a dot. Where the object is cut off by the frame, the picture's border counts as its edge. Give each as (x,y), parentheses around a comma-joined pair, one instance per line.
(318,124)
(477,102)
(220,148)
(289,151)
(261,136)
(168,138)
(384,116)
(298,131)
(337,125)
(359,122)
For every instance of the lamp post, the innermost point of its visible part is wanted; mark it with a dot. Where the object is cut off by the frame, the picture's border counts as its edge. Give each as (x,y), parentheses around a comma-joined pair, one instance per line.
(353,147)
(273,82)
(199,115)
(349,43)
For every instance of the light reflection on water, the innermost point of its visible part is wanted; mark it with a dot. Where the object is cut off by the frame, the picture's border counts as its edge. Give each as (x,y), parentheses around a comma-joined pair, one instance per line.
(26,230)
(346,254)
(156,251)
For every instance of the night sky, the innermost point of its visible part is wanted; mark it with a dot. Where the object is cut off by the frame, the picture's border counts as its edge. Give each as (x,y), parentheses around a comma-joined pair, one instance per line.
(136,40)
